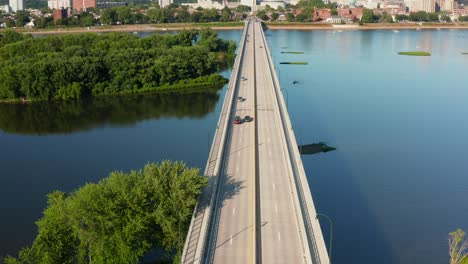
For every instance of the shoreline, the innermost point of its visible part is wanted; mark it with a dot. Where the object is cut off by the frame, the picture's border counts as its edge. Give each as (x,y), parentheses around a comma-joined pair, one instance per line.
(310,26)
(271,26)
(131,28)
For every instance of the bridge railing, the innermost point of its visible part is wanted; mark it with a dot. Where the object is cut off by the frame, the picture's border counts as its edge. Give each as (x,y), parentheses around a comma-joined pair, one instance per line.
(201,222)
(313,230)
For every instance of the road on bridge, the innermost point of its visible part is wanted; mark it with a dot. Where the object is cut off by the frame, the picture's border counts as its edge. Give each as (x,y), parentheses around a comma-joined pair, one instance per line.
(255,212)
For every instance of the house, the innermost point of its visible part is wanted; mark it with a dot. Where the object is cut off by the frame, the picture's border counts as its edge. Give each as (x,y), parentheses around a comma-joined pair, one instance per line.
(335,20)
(320,14)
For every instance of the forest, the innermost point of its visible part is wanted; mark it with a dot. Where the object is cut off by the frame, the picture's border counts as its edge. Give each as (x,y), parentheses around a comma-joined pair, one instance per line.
(120,219)
(84,65)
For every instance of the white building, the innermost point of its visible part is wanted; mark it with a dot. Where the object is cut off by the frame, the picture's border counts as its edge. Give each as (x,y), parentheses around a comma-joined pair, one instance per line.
(206,4)
(251,3)
(446,5)
(273,4)
(59,4)
(422,5)
(164,3)
(16,5)
(5,8)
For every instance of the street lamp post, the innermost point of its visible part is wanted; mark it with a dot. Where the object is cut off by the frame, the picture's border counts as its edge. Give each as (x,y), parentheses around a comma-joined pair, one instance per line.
(331,233)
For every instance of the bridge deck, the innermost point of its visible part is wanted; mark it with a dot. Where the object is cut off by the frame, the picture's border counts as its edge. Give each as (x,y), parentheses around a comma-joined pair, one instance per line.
(259,207)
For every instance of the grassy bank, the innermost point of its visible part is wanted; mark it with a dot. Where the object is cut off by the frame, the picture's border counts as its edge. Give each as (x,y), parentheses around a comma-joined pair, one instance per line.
(414,53)
(135,27)
(201,84)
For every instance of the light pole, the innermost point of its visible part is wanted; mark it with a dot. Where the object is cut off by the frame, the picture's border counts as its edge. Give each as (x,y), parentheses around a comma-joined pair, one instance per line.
(331,233)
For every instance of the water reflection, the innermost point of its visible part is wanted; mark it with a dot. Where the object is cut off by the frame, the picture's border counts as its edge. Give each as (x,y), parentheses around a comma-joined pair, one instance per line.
(43,118)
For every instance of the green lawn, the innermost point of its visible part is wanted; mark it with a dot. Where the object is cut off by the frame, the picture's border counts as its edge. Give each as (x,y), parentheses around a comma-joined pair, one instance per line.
(415,53)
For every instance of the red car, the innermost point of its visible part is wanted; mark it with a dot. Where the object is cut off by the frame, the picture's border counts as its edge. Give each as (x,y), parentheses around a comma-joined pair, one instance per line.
(237,120)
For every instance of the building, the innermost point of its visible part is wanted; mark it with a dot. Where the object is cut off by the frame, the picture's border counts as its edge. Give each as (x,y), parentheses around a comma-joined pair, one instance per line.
(422,5)
(60,14)
(320,14)
(80,5)
(446,5)
(251,3)
(59,4)
(5,8)
(273,3)
(105,5)
(164,3)
(206,4)
(351,14)
(334,20)
(16,5)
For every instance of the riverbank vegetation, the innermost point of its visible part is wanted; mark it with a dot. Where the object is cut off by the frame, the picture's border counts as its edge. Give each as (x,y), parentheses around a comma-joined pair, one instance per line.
(84,65)
(414,53)
(119,219)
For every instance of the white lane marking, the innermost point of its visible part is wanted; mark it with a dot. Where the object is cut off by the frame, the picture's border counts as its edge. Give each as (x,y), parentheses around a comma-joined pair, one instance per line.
(276,208)
(268,140)
(269,153)
(238,154)
(231,240)
(233,211)
(279,236)
(274,187)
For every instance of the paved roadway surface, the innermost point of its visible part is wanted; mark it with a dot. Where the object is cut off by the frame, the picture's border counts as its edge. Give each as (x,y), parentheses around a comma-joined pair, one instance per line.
(281,239)
(279,208)
(233,234)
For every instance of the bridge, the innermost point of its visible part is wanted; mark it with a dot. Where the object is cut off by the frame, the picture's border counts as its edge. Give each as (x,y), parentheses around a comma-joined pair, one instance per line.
(257,207)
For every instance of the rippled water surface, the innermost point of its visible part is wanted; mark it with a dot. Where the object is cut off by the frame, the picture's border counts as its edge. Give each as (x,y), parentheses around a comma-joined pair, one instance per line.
(394,188)
(398,181)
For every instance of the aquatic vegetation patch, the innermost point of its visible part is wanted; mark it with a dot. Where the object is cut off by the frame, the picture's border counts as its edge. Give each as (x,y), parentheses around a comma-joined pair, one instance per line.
(414,53)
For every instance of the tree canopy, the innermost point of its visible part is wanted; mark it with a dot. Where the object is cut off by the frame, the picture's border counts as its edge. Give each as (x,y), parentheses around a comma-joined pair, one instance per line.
(119,219)
(83,65)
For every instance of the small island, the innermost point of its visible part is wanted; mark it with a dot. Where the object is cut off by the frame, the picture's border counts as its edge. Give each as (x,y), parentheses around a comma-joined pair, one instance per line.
(465,53)
(415,53)
(77,66)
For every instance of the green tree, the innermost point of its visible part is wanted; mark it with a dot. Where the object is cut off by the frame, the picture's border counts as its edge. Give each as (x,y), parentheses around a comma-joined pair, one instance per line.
(420,16)
(274,16)
(109,16)
(22,17)
(446,18)
(118,219)
(367,16)
(290,17)
(262,15)
(243,9)
(401,18)
(458,246)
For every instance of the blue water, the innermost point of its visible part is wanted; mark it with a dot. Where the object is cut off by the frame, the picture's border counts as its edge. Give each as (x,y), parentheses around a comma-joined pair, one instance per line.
(394,188)
(398,181)
(83,145)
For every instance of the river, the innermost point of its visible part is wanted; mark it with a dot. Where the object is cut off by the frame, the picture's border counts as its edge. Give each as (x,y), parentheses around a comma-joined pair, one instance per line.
(394,187)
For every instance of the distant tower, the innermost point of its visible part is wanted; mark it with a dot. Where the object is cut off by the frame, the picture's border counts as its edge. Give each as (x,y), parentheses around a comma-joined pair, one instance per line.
(16,5)
(59,4)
